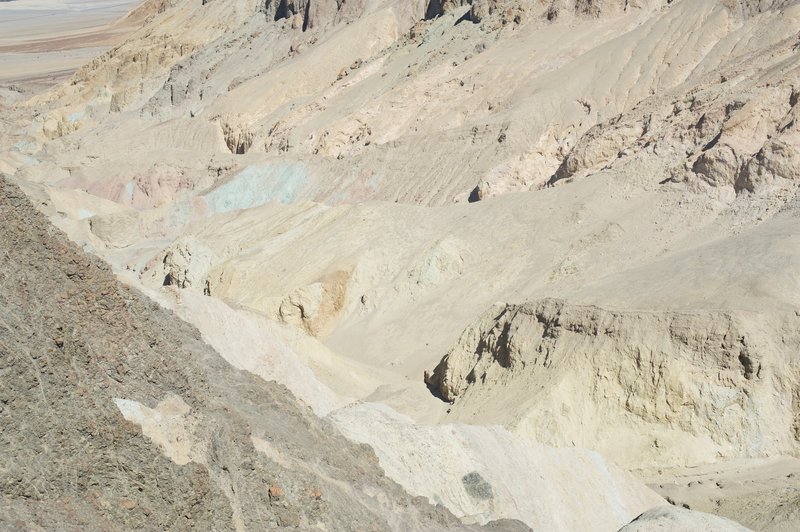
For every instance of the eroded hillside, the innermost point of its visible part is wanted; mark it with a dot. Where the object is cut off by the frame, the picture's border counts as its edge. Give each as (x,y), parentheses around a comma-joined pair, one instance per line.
(579,217)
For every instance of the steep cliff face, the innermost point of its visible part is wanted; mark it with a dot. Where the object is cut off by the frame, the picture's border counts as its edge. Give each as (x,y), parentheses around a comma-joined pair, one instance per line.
(599,378)
(516,11)
(310,14)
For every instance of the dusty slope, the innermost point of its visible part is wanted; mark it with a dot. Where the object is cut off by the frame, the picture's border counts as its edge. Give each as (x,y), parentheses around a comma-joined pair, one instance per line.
(483,472)
(693,172)
(420,117)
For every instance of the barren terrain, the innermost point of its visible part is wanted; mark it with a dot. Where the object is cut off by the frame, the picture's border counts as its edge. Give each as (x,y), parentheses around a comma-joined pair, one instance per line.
(541,255)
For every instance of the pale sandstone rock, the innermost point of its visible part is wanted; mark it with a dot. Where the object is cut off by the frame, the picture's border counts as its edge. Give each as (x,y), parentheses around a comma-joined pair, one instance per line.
(187,264)
(577,368)
(117,230)
(776,160)
(315,307)
(598,146)
(718,167)
(120,100)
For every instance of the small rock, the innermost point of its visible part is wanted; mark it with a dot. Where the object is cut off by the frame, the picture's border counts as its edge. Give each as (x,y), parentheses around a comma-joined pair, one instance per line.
(275,492)
(297,22)
(128,504)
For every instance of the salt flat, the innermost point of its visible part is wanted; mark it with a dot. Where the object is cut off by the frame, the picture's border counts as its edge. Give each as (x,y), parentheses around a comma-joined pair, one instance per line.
(44,41)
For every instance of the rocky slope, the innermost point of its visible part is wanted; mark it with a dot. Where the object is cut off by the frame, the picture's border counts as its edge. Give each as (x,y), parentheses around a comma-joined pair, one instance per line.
(116,414)
(208,447)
